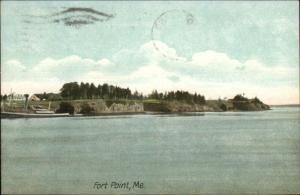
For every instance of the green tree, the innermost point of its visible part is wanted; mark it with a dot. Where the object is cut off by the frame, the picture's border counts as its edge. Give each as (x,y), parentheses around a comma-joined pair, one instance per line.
(105,90)
(70,90)
(240,98)
(83,91)
(92,91)
(99,91)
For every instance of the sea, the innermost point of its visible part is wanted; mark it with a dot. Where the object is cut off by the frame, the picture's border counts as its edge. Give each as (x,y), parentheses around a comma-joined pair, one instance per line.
(214,153)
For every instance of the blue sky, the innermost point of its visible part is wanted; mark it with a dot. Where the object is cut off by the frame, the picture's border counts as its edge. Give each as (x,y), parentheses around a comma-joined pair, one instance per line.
(217,48)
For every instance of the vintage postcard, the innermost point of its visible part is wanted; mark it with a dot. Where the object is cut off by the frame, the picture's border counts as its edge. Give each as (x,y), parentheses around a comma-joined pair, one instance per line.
(150,97)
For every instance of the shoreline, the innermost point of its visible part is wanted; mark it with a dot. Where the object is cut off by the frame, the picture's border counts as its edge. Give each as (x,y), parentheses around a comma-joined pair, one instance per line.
(102,107)
(6,115)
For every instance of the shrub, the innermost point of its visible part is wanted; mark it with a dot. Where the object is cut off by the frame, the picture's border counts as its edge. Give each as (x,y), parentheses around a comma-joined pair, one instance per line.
(86,109)
(223,107)
(65,107)
(256,100)
(240,98)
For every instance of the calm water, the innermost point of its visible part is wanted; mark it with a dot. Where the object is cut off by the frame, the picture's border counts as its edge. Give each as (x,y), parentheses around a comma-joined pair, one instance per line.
(254,152)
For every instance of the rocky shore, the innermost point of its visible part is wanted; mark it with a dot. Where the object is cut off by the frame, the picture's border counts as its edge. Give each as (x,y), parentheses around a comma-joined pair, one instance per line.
(100,106)
(104,107)
(210,106)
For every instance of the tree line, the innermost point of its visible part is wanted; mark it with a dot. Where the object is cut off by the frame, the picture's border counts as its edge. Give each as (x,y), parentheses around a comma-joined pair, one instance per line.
(179,96)
(73,90)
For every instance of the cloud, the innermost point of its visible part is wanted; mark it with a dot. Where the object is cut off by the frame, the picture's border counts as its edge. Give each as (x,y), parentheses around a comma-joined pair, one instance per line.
(157,51)
(219,67)
(150,53)
(71,67)
(14,64)
(145,68)
(213,58)
(104,62)
(174,78)
(12,69)
(150,71)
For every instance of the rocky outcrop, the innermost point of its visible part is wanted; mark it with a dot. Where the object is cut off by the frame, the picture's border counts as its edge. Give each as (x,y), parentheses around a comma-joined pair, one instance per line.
(134,107)
(175,106)
(210,106)
(250,105)
(185,107)
(100,106)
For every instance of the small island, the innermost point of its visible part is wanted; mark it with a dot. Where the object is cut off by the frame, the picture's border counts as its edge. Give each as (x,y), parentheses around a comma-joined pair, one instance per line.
(88,99)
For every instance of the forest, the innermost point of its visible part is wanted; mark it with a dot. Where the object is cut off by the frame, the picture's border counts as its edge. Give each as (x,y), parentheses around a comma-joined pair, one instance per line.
(73,91)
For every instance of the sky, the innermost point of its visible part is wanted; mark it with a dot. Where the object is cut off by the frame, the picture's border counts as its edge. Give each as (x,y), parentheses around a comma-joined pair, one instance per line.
(215,48)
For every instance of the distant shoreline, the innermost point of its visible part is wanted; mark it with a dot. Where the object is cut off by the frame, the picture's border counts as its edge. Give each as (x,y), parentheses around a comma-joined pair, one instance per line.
(286,105)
